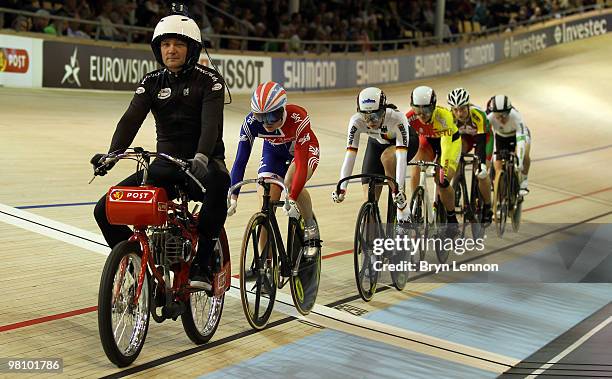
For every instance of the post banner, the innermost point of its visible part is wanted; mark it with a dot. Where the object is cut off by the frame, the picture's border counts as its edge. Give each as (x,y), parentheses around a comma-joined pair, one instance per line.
(20,61)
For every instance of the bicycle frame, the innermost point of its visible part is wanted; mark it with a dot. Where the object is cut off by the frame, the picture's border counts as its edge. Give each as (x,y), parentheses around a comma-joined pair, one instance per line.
(429,199)
(268,208)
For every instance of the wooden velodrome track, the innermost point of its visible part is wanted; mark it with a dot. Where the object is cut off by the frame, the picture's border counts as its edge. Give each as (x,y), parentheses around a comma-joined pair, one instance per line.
(49,286)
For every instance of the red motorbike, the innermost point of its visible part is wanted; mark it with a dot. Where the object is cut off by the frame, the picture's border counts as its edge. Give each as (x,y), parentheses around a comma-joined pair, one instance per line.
(148,274)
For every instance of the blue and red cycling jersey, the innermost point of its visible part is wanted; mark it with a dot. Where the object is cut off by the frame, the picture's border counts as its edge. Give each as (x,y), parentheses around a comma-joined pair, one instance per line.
(294,141)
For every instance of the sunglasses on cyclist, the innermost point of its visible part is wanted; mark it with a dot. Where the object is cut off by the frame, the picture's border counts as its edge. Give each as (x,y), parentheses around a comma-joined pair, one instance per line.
(373,117)
(423,109)
(270,117)
(502,114)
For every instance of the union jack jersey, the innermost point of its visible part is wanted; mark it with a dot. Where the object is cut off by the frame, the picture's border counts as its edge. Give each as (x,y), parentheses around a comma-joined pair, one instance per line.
(293,139)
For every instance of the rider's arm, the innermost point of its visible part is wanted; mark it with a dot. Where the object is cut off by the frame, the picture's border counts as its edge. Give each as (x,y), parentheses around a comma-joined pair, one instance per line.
(306,148)
(132,119)
(212,115)
(484,138)
(521,135)
(401,151)
(245,145)
(354,132)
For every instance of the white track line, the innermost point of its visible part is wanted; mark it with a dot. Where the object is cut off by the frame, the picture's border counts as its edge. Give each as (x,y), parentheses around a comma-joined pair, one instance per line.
(570,348)
(321,315)
(53,229)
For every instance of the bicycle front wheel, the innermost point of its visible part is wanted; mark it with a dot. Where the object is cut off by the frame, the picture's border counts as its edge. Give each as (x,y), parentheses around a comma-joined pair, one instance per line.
(306,272)
(123,322)
(258,271)
(501,204)
(364,257)
(420,223)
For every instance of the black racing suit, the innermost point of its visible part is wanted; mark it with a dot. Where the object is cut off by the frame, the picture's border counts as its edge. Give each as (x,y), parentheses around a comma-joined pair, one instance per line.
(188,111)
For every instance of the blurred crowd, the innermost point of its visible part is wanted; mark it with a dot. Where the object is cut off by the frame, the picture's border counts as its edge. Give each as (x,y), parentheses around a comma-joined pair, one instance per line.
(334,20)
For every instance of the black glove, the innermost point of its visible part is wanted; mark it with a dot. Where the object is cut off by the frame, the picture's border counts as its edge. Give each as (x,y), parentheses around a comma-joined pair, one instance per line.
(98,164)
(199,165)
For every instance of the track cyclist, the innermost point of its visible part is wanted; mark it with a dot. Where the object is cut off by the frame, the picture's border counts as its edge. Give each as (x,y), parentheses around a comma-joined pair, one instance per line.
(391,144)
(476,132)
(438,137)
(290,153)
(512,134)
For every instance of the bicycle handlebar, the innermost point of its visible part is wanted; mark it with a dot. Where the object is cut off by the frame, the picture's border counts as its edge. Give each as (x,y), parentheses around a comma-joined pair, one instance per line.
(424,164)
(259,181)
(390,181)
(140,153)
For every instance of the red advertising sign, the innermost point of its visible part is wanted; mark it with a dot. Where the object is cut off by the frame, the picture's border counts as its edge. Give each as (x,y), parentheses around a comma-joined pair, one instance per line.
(14,60)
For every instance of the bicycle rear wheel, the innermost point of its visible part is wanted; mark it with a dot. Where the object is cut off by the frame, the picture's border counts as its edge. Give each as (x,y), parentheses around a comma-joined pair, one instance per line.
(258,271)
(305,282)
(123,324)
(364,257)
(203,312)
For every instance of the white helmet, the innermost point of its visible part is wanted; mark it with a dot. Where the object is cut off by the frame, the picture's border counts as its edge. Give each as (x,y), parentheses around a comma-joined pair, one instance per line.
(423,97)
(499,103)
(458,97)
(372,104)
(181,27)
(371,99)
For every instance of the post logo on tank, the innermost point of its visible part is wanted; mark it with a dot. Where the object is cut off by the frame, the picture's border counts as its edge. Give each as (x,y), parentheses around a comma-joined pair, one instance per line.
(14,60)
(69,65)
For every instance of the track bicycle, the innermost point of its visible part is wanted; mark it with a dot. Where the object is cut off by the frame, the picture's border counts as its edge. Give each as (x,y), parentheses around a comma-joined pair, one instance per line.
(266,265)
(508,201)
(469,204)
(369,226)
(427,211)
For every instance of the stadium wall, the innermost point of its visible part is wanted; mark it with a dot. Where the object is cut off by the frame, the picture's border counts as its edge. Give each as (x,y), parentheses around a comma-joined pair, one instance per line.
(67,63)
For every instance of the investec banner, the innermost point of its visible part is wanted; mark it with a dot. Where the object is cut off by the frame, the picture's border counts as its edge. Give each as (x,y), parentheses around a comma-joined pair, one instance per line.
(20,61)
(69,65)
(242,73)
(579,29)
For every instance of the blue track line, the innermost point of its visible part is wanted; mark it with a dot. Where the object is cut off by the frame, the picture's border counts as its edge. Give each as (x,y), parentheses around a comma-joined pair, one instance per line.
(316,185)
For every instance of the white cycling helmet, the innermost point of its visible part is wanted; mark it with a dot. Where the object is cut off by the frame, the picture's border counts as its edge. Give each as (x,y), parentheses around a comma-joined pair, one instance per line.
(423,97)
(499,103)
(458,97)
(182,27)
(372,104)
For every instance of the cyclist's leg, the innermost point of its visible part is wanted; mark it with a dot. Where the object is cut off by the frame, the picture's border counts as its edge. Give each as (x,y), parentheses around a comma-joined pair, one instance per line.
(484,180)
(526,165)
(372,164)
(449,160)
(424,153)
(213,213)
